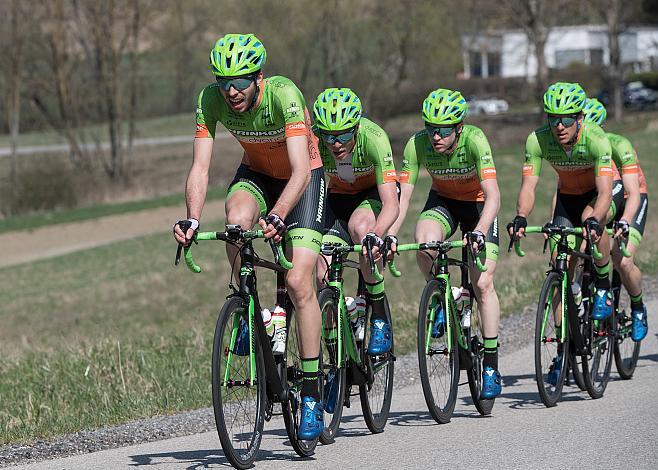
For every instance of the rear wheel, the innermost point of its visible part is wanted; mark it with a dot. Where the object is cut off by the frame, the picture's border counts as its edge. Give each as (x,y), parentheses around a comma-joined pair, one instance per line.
(626,351)
(238,404)
(474,373)
(333,374)
(551,346)
(596,367)
(292,408)
(438,362)
(377,393)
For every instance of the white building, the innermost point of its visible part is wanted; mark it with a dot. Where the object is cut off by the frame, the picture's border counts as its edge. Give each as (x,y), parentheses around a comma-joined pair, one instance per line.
(507,53)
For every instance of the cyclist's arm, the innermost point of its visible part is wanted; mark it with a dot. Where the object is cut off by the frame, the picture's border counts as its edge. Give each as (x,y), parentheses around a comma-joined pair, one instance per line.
(600,147)
(301,175)
(632,188)
(197,178)
(531,170)
(603,198)
(406,191)
(491,205)
(390,208)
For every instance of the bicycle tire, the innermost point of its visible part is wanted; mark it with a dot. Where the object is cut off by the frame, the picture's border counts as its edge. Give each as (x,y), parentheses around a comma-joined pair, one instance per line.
(549,393)
(575,364)
(596,369)
(474,373)
(626,351)
(241,447)
(291,408)
(377,393)
(329,312)
(433,294)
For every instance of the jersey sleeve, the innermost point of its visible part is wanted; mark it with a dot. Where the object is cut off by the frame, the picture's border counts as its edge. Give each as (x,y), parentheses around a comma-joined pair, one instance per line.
(410,164)
(602,153)
(480,151)
(293,107)
(380,153)
(623,154)
(533,156)
(206,119)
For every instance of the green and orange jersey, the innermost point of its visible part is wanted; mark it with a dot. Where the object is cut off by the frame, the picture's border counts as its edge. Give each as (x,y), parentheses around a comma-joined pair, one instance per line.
(370,164)
(456,175)
(625,158)
(280,112)
(589,157)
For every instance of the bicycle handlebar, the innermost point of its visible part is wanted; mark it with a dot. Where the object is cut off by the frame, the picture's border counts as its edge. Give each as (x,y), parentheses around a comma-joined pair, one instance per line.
(442,246)
(230,235)
(329,248)
(555,230)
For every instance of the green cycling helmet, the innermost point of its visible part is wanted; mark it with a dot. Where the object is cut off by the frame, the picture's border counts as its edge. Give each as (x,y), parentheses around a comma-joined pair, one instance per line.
(336,109)
(594,111)
(564,98)
(444,106)
(237,54)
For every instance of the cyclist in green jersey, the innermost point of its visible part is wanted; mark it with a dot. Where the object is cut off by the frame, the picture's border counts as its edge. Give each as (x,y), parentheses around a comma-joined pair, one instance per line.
(464,192)
(630,218)
(581,155)
(362,203)
(280,184)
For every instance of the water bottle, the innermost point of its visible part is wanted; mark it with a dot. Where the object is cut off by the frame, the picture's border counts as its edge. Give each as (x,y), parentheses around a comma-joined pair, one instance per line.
(267,320)
(578,298)
(465,299)
(356,307)
(279,322)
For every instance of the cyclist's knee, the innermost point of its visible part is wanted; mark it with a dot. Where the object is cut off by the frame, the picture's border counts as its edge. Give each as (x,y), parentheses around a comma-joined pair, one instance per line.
(484,286)
(300,287)
(238,216)
(626,264)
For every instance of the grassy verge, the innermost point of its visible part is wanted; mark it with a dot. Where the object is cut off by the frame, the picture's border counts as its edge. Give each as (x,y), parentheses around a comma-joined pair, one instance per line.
(115,333)
(33,221)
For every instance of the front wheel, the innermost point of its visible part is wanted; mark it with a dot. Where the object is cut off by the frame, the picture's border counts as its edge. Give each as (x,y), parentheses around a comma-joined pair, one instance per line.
(438,361)
(474,373)
(551,343)
(333,373)
(377,393)
(596,367)
(238,403)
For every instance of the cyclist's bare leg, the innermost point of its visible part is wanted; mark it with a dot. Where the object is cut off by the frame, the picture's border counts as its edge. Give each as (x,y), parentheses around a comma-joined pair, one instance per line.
(361,222)
(300,282)
(630,274)
(427,231)
(488,303)
(321,269)
(241,209)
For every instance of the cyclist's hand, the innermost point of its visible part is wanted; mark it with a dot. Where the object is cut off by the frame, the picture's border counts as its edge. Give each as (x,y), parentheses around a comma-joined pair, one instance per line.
(375,242)
(477,240)
(184,231)
(516,228)
(621,228)
(594,228)
(273,227)
(390,246)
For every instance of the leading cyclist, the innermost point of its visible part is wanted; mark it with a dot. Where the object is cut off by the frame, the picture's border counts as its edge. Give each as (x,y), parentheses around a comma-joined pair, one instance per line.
(279,183)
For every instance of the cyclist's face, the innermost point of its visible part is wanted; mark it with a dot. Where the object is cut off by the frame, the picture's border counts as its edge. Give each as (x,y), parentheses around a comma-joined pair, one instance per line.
(563,134)
(444,144)
(240,100)
(341,150)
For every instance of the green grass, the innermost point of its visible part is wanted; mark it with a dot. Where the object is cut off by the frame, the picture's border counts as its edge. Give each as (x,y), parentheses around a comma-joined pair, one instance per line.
(63,319)
(177,124)
(33,221)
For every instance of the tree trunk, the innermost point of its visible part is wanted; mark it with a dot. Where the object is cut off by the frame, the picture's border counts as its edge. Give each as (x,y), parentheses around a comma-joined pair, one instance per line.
(615,72)
(14,101)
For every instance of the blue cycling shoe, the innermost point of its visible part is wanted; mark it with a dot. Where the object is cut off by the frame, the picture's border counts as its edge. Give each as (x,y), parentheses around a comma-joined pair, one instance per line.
(330,392)
(602,304)
(241,347)
(639,328)
(492,385)
(439,325)
(381,338)
(554,371)
(311,424)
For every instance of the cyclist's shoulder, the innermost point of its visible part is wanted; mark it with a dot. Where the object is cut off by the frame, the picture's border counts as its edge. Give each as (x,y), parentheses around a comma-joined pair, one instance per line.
(280,85)
(617,139)
(210,94)
(538,138)
(474,137)
(418,143)
(595,139)
(372,134)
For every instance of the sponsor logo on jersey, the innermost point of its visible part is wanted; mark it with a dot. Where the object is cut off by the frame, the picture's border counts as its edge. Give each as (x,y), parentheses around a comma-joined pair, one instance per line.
(640,216)
(527,170)
(488,173)
(272,133)
(201,131)
(318,215)
(389,176)
(486,159)
(231,123)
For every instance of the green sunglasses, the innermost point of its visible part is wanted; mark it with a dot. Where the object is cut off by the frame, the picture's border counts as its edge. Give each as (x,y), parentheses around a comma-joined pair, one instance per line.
(443,131)
(566,121)
(343,138)
(240,83)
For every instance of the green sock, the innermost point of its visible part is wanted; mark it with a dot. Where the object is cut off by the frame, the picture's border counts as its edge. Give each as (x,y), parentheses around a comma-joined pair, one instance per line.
(376,296)
(310,368)
(602,276)
(490,353)
(636,301)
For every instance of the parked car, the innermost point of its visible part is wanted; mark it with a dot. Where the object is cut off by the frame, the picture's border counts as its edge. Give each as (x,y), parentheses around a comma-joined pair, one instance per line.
(635,94)
(477,105)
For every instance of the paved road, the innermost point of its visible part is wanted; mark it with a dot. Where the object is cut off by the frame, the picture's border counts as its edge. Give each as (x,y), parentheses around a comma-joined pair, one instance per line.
(62,148)
(617,431)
